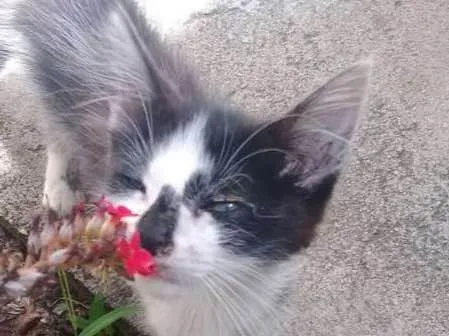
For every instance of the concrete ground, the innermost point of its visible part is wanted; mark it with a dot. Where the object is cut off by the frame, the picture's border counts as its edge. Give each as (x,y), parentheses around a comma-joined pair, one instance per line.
(380,265)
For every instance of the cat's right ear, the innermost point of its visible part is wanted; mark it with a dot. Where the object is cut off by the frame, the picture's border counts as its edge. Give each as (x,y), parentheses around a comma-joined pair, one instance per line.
(317,133)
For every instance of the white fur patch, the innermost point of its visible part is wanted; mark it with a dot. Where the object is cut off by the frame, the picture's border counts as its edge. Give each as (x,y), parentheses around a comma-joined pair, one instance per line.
(195,239)
(13,66)
(57,193)
(178,158)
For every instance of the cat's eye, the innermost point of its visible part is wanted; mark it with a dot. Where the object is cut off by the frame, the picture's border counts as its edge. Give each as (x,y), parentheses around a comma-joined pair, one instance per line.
(224,207)
(228,204)
(131,182)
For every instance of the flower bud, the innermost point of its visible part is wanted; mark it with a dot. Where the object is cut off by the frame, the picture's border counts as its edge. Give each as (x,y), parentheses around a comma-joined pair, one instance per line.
(108,229)
(29,276)
(48,234)
(59,257)
(66,232)
(34,244)
(79,225)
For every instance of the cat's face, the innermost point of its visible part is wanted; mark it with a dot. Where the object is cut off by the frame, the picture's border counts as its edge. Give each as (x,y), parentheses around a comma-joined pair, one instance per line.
(209,192)
(217,193)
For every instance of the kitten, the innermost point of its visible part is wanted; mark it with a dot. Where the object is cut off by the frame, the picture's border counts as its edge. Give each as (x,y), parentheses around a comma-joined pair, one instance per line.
(223,201)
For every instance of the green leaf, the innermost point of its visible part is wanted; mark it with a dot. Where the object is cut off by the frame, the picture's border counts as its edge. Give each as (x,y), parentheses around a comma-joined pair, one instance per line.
(107,319)
(97,308)
(65,289)
(81,322)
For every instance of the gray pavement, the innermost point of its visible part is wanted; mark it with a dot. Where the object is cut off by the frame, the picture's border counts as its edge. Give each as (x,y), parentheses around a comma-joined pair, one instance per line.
(380,264)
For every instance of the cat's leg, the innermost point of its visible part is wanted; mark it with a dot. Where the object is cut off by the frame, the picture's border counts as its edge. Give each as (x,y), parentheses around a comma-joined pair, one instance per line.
(58,193)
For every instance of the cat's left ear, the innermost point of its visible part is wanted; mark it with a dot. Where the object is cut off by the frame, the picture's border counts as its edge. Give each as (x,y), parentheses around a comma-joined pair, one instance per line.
(317,133)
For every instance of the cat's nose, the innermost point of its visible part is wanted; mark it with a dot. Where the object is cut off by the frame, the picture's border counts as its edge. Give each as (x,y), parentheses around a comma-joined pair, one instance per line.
(157,225)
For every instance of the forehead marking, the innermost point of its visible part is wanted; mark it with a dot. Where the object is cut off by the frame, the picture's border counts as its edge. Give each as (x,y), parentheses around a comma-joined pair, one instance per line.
(180,156)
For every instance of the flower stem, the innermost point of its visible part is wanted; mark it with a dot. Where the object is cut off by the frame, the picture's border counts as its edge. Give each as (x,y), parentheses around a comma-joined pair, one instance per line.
(64,284)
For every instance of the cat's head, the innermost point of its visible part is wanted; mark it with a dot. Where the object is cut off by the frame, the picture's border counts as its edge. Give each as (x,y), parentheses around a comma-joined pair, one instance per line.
(218,192)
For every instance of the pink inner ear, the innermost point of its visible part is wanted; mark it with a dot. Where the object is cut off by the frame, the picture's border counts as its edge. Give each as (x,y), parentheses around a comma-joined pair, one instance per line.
(323,127)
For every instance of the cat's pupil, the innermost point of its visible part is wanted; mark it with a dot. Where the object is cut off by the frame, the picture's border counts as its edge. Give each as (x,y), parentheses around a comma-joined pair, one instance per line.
(224,206)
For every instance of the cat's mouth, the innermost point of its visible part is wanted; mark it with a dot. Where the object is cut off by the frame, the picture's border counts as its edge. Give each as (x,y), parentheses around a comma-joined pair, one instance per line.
(168,276)
(176,276)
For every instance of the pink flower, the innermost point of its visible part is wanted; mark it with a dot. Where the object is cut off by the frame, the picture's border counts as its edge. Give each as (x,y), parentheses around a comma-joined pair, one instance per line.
(78,208)
(102,206)
(136,259)
(97,222)
(118,212)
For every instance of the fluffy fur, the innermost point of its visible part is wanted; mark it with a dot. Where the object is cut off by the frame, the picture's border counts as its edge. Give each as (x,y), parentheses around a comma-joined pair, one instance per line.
(224,201)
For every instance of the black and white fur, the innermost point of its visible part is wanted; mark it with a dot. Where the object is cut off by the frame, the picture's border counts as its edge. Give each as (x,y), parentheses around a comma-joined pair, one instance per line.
(223,201)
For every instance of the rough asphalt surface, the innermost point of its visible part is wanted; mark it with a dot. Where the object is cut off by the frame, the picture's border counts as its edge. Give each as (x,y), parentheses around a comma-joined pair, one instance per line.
(380,265)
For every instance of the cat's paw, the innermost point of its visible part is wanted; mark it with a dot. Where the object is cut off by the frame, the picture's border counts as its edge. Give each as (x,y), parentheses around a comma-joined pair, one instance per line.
(58,196)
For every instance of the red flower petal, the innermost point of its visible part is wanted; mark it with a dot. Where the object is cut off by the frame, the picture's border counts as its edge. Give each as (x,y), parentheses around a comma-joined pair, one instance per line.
(136,259)
(118,212)
(144,262)
(130,266)
(124,211)
(102,203)
(135,240)
(110,210)
(78,208)
(123,248)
